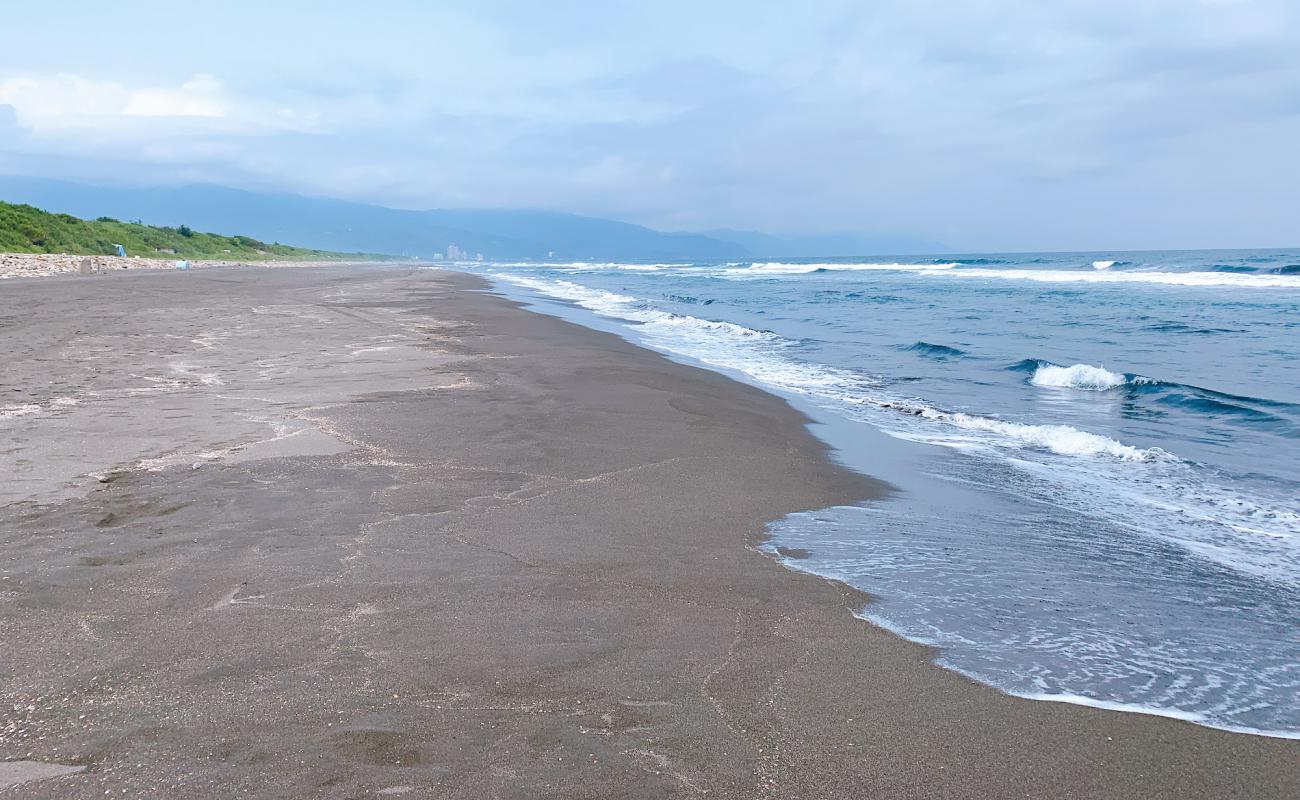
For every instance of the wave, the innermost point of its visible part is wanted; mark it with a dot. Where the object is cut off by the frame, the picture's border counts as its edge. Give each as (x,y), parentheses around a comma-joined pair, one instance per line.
(1200,718)
(20,410)
(1179,327)
(1209,405)
(690,300)
(1087,376)
(784,268)
(681,334)
(1283,278)
(1063,440)
(1250,411)
(1090,472)
(635,310)
(1218,279)
(1078,376)
(1105,264)
(939,351)
(591,265)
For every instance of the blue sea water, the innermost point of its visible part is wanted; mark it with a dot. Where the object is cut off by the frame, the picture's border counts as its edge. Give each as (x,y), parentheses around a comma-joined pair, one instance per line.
(1096,455)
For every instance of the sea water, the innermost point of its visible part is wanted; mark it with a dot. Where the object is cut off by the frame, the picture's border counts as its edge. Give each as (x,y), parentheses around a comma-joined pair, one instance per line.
(1096,455)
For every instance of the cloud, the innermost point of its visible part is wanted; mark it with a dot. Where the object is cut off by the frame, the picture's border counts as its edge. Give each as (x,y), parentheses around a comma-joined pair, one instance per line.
(1008,123)
(63,102)
(200,96)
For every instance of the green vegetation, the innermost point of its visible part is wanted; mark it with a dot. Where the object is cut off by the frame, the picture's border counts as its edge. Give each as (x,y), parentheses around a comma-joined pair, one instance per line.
(24,229)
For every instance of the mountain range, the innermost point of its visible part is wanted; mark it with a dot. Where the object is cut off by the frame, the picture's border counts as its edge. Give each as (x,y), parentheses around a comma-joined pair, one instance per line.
(338,225)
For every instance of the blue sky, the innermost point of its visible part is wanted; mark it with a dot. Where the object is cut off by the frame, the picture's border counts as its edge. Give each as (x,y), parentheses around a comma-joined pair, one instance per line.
(994,124)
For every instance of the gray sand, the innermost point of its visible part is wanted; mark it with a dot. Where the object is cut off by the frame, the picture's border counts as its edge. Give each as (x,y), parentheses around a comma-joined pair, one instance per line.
(368,532)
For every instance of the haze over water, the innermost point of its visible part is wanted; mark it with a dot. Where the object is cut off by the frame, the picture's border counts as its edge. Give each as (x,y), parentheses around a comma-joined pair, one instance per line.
(1098,454)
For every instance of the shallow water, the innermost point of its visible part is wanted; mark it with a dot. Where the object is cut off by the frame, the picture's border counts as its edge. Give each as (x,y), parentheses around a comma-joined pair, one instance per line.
(1099,492)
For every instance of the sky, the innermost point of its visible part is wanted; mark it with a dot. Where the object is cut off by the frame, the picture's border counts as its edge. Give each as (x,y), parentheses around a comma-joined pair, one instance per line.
(983,124)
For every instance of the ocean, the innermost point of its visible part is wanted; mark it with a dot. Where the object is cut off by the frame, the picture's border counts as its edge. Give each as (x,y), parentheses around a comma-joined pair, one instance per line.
(1095,457)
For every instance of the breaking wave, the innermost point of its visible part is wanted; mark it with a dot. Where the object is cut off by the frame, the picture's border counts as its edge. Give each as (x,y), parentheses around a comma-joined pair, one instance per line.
(782,268)
(1079,376)
(1283,278)
(713,343)
(1099,480)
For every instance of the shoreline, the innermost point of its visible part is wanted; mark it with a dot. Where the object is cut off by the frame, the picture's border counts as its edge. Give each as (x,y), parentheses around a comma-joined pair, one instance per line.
(521,571)
(849,443)
(45,265)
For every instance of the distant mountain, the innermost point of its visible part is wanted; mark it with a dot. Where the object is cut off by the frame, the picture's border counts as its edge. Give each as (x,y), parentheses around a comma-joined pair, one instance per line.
(763,245)
(337,225)
(342,226)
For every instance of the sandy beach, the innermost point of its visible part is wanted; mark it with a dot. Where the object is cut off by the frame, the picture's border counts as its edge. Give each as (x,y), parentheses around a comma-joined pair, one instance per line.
(38,265)
(358,531)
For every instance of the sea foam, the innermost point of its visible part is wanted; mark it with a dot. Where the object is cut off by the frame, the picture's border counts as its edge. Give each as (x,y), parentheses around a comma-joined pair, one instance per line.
(783,268)
(1098,275)
(1128,499)
(1079,376)
(1138,481)
(714,343)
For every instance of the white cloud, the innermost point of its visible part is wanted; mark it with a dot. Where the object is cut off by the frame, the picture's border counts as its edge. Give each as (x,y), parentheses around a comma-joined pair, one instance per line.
(61,100)
(1006,123)
(67,102)
(201,96)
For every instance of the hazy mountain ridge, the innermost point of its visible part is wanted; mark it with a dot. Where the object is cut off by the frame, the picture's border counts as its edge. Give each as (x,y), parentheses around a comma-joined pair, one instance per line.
(338,225)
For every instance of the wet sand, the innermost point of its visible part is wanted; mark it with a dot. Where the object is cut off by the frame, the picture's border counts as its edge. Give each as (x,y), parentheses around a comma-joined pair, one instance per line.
(350,532)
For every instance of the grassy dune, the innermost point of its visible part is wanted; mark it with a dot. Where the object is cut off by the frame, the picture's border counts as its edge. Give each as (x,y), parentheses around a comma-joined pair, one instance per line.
(25,229)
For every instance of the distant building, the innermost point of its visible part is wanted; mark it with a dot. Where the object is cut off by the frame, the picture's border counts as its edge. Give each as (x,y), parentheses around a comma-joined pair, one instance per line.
(454,253)
(478,256)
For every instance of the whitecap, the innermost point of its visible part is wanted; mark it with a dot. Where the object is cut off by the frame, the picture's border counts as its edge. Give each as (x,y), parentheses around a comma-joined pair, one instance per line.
(1078,376)
(1220,279)
(784,268)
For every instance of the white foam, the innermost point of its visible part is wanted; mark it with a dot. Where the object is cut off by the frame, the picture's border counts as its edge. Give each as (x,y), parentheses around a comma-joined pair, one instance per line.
(590,265)
(697,338)
(1222,279)
(1103,264)
(28,409)
(1060,439)
(1092,473)
(1100,274)
(1155,711)
(1079,376)
(783,268)
(19,410)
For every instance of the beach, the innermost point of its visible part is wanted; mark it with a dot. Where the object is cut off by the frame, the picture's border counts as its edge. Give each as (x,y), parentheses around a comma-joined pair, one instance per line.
(372,530)
(37,265)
